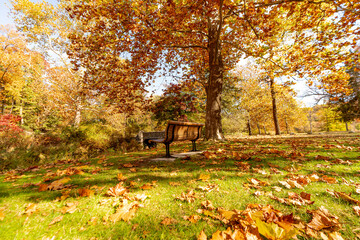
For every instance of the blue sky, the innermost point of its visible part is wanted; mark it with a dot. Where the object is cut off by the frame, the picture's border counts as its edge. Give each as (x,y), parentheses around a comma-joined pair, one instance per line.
(4,12)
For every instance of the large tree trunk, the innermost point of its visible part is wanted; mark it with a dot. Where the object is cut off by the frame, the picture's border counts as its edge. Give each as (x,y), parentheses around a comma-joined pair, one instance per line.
(3,107)
(213,126)
(274,108)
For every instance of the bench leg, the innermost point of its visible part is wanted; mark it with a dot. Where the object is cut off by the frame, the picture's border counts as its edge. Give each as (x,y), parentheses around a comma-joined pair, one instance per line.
(193,146)
(167,150)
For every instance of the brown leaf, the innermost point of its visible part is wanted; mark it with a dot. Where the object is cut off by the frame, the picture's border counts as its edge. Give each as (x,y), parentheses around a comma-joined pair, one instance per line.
(118,190)
(322,219)
(85,192)
(56,220)
(120,177)
(168,221)
(70,207)
(357,210)
(188,196)
(174,184)
(58,184)
(43,187)
(30,208)
(207,205)
(192,218)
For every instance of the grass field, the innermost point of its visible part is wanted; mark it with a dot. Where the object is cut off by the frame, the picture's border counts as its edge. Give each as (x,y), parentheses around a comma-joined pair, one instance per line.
(262,188)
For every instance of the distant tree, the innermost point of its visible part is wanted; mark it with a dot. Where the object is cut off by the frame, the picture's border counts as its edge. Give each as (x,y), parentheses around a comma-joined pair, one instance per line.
(176,103)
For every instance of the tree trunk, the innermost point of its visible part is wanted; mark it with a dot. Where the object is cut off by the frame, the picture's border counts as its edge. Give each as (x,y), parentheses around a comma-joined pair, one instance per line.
(274,108)
(3,107)
(310,120)
(21,113)
(287,126)
(264,130)
(347,127)
(249,126)
(12,105)
(77,118)
(259,129)
(213,126)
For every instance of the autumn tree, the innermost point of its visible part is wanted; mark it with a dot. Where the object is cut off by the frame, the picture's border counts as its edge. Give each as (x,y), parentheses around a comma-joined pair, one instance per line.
(204,39)
(178,102)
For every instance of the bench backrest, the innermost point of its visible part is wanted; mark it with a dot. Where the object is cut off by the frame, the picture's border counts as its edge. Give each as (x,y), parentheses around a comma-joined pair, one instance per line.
(178,131)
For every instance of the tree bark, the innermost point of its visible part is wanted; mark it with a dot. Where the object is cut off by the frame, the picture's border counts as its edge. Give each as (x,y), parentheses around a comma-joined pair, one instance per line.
(21,113)
(259,129)
(249,126)
(264,130)
(287,126)
(77,118)
(2,107)
(347,126)
(310,120)
(213,126)
(274,108)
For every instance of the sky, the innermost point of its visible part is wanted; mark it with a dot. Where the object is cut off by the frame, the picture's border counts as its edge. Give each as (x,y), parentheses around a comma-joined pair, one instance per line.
(5,18)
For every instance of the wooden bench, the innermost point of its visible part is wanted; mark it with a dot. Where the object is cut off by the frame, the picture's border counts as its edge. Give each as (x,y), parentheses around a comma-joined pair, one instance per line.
(180,131)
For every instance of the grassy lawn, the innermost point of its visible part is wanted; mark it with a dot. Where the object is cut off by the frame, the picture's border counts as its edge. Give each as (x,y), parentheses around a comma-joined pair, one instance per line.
(231,185)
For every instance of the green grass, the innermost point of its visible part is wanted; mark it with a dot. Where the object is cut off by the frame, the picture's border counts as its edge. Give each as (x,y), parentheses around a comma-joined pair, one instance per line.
(291,155)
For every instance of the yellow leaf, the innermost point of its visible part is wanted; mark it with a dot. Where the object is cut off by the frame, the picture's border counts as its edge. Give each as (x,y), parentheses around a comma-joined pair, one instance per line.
(204,177)
(202,236)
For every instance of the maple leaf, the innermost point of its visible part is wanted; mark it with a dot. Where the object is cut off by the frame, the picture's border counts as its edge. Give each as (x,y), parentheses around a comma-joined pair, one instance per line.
(58,184)
(322,219)
(344,196)
(125,212)
(274,232)
(118,190)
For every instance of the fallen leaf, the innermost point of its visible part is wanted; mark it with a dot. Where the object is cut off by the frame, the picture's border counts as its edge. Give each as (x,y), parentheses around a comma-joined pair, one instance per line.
(120,177)
(168,221)
(85,192)
(322,219)
(2,215)
(116,191)
(30,208)
(43,187)
(192,218)
(204,177)
(202,236)
(93,221)
(56,220)
(70,207)
(124,212)
(58,184)
(188,196)
(357,210)
(207,205)
(174,184)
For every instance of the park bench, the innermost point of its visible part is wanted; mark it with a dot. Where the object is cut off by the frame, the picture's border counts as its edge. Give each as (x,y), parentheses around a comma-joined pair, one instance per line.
(145,137)
(180,131)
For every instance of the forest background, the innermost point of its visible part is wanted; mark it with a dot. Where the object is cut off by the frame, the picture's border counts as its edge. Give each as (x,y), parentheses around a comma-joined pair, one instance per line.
(63,93)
